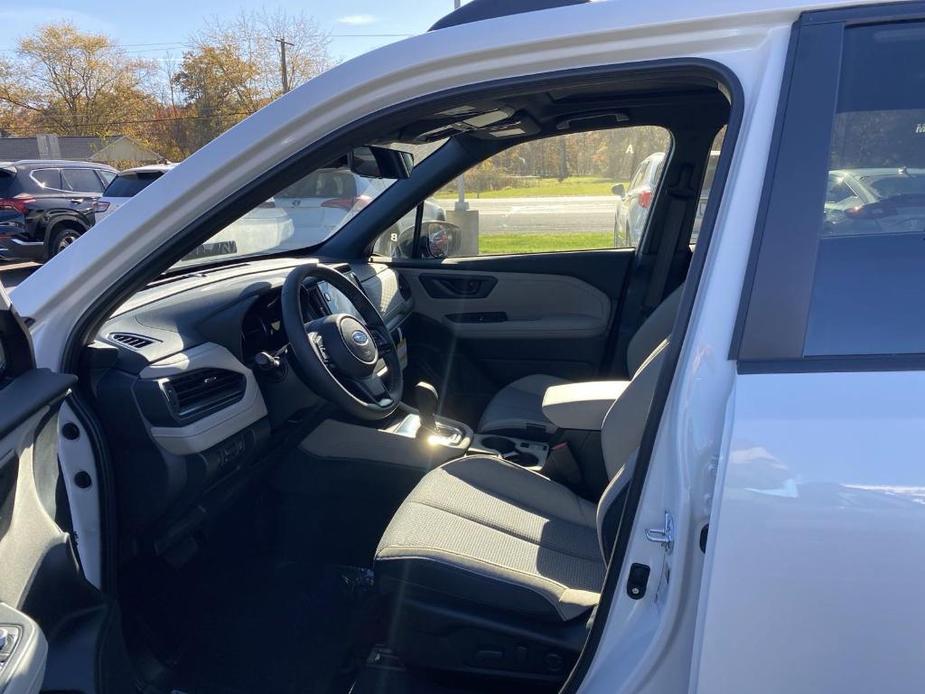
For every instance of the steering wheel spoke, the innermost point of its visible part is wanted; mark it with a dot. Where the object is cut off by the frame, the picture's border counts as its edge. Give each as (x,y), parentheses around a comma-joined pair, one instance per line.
(317,343)
(383,344)
(373,389)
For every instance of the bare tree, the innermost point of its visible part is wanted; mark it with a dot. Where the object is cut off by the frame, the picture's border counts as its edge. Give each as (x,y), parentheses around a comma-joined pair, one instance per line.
(253,35)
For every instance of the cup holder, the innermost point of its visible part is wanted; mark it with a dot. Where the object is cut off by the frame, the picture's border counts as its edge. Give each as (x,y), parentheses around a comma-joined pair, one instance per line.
(498,443)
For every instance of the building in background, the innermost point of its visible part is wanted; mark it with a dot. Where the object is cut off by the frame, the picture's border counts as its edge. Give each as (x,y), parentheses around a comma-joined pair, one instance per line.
(119,151)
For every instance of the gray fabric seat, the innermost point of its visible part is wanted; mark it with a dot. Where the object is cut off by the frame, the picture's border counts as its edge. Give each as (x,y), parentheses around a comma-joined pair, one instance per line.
(488,532)
(517,409)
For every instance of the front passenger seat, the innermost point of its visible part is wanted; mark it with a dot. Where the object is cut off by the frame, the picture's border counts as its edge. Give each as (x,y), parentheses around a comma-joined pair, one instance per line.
(494,567)
(517,409)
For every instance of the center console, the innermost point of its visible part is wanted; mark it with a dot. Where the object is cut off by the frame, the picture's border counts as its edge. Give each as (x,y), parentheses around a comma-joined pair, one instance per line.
(415,438)
(531,454)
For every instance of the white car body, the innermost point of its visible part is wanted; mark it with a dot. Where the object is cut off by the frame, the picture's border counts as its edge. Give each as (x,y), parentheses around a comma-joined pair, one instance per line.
(796,592)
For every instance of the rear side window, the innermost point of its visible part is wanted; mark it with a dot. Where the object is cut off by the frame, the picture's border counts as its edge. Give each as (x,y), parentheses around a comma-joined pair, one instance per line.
(81,181)
(130,184)
(869,280)
(47,178)
(838,274)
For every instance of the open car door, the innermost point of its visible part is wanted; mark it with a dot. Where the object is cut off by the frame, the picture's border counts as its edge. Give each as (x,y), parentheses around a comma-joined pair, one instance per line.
(32,543)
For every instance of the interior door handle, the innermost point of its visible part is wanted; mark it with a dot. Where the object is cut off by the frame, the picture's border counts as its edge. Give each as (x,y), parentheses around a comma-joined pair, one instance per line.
(458,286)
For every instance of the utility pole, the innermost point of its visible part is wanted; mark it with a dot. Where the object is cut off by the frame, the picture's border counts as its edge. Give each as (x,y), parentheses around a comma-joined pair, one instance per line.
(283,69)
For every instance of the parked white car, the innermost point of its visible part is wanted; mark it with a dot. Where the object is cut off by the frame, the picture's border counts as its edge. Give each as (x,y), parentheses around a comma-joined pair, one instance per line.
(630,470)
(325,200)
(301,214)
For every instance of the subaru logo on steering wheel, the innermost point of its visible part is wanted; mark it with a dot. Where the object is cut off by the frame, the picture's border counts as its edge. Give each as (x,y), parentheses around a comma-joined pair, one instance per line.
(359,337)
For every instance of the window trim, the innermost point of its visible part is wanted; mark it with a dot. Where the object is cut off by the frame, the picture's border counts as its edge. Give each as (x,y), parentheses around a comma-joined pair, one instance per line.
(771,325)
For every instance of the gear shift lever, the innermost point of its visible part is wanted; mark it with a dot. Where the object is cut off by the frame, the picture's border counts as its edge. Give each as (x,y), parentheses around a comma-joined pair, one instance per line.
(426,398)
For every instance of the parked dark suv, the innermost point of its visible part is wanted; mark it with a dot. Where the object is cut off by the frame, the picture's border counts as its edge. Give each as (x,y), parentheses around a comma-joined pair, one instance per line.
(55,197)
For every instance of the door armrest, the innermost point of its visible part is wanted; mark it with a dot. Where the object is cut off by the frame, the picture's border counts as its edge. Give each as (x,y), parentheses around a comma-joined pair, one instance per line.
(581,405)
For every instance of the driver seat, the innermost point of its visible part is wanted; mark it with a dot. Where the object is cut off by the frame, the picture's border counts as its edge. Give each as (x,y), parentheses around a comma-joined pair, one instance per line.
(495,569)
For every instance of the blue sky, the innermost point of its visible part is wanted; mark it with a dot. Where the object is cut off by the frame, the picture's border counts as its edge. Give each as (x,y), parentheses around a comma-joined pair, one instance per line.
(169,22)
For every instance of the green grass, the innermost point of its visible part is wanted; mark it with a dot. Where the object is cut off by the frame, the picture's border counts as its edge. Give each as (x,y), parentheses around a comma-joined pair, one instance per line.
(500,244)
(544,187)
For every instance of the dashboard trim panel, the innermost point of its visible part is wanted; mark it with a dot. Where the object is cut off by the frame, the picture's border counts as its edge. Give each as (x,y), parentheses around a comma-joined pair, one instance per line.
(215,428)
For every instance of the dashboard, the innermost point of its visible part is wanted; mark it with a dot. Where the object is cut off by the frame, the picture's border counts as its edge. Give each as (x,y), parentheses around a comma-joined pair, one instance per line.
(185,410)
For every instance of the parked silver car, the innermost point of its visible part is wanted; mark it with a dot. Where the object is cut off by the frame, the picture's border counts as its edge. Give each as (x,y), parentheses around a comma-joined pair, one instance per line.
(871,200)
(634,204)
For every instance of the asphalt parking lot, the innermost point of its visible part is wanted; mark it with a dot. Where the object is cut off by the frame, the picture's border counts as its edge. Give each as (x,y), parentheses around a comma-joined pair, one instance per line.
(12,274)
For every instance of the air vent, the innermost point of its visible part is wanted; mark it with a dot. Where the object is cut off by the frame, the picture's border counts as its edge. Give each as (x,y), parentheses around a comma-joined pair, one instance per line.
(201,392)
(403,288)
(132,340)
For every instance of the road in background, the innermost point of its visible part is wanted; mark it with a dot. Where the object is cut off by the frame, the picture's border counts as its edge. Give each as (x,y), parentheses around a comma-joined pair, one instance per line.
(549,214)
(12,274)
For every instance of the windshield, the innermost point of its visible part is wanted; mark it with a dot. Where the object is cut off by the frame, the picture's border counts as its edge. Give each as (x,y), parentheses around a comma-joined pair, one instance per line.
(304,213)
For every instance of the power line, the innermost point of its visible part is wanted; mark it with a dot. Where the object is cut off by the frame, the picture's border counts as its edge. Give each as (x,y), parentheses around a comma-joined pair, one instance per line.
(165,119)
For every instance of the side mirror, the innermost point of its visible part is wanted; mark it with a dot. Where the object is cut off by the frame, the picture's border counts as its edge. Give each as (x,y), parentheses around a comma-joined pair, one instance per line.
(438,240)
(380,162)
(619,190)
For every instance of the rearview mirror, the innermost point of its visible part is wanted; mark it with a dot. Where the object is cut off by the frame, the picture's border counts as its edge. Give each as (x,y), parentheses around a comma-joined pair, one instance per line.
(619,190)
(381,162)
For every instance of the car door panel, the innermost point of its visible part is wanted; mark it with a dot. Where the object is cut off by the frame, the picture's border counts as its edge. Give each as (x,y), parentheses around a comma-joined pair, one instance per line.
(534,306)
(504,317)
(33,543)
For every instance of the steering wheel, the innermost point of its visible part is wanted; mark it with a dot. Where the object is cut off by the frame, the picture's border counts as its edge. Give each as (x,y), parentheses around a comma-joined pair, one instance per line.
(337,356)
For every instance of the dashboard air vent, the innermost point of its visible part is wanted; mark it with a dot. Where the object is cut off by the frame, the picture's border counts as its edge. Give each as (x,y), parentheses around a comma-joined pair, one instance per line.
(132,340)
(203,391)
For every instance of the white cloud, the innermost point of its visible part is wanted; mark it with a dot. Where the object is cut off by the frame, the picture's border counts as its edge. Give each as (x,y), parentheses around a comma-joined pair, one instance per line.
(357,19)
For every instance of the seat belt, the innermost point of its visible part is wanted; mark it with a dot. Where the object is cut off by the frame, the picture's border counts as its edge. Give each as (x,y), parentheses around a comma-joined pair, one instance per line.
(654,291)
(668,248)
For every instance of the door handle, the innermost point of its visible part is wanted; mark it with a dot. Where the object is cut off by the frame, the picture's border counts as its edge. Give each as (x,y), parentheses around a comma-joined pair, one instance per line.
(458,286)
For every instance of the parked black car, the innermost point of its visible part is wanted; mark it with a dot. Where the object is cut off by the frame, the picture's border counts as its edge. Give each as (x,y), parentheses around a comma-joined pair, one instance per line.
(56,199)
